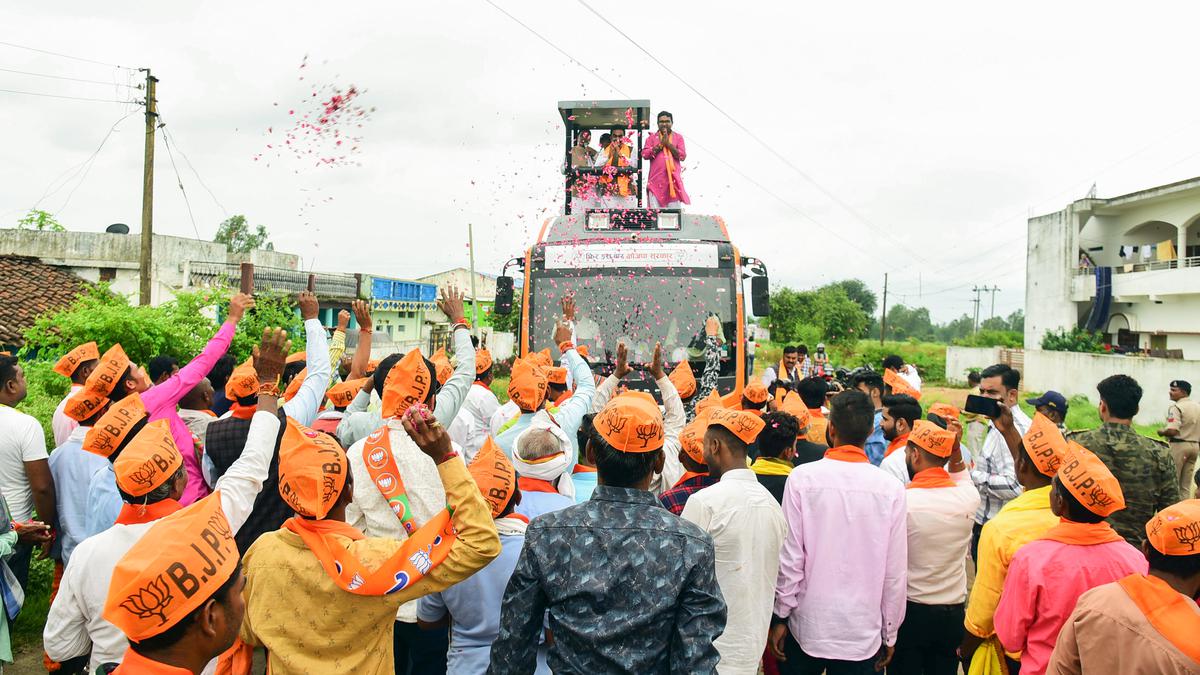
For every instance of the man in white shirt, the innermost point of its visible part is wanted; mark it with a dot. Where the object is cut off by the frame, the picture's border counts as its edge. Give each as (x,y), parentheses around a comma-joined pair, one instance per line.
(747,527)
(941,510)
(75,625)
(900,413)
(995,471)
(76,365)
(472,425)
(25,479)
(390,456)
(906,371)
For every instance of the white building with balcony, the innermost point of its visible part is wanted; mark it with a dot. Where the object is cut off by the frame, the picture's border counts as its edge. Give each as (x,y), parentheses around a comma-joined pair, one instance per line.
(1127,266)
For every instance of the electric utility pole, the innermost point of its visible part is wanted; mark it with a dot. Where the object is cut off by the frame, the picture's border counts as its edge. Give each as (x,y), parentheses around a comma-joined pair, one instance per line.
(144,266)
(883,313)
(976,290)
(993,292)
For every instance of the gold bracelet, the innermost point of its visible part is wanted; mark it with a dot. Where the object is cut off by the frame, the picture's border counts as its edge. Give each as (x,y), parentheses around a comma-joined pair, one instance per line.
(268,389)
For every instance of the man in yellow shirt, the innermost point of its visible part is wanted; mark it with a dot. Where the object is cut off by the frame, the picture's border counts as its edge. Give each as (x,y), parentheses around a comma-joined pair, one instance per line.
(1020,521)
(320,596)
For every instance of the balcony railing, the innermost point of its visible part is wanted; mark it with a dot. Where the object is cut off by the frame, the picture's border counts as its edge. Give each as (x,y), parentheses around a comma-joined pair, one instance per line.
(1147,266)
(272,279)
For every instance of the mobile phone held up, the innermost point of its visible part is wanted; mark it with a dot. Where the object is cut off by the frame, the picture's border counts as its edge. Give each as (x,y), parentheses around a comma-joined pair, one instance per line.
(982,405)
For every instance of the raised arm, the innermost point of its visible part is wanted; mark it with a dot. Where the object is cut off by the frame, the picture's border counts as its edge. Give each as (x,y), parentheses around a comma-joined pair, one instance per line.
(170,391)
(452,394)
(337,343)
(674,417)
(303,406)
(240,485)
(608,388)
(477,542)
(362,352)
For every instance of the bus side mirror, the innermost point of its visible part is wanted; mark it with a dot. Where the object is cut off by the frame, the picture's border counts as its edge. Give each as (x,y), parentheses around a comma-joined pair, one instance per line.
(504,296)
(760,296)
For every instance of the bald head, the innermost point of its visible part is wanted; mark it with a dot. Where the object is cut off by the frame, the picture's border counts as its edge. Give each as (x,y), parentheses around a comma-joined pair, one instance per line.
(199,398)
(536,444)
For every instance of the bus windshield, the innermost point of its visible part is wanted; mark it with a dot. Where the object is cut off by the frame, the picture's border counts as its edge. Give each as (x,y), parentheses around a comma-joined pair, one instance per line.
(639,310)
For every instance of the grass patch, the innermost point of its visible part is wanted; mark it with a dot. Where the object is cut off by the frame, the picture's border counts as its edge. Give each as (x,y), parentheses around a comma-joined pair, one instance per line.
(1081,415)
(500,389)
(27,631)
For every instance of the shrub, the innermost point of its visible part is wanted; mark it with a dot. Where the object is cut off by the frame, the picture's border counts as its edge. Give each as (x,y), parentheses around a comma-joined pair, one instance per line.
(1073,340)
(928,357)
(993,338)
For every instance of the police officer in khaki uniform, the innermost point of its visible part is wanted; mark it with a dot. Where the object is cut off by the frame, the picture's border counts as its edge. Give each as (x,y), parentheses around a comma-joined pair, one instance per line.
(1183,432)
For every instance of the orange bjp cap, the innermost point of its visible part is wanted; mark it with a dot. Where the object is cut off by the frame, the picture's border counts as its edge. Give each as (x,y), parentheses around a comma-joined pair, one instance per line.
(70,361)
(495,476)
(931,438)
(631,422)
(408,383)
(945,411)
(1045,444)
(542,358)
(149,460)
(1176,529)
(342,394)
(684,379)
(556,376)
(527,385)
(755,392)
(114,425)
(899,386)
(312,470)
(242,382)
(441,363)
(692,437)
(1086,477)
(744,425)
(794,406)
(483,360)
(709,402)
(103,380)
(296,357)
(180,562)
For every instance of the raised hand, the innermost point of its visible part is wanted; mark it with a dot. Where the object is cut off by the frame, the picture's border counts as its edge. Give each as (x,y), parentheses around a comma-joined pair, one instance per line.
(238,305)
(343,320)
(308,305)
(562,333)
(451,304)
(427,433)
(656,365)
(362,314)
(270,355)
(622,368)
(568,307)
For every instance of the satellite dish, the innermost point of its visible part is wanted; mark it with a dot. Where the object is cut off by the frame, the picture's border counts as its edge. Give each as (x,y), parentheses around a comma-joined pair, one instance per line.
(117,228)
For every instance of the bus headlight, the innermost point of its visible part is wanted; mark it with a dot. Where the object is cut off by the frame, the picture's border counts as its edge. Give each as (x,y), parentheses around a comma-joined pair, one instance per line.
(668,221)
(598,221)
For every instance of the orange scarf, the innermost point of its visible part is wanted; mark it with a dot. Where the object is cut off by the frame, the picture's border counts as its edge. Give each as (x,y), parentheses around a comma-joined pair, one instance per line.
(133,514)
(896,444)
(931,478)
(1082,534)
(816,412)
(1171,614)
(688,475)
(242,412)
(580,468)
(563,399)
(381,466)
(847,453)
(421,552)
(528,484)
(670,172)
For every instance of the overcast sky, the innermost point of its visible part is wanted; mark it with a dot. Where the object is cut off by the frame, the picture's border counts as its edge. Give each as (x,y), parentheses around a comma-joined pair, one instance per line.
(918,136)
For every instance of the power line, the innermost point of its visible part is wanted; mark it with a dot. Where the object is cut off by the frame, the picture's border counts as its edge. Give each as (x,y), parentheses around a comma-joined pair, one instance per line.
(167,142)
(65,56)
(83,167)
(74,98)
(778,155)
(712,154)
(72,79)
(168,135)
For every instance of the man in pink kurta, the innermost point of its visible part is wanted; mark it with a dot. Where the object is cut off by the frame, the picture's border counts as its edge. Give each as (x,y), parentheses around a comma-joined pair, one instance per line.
(1048,575)
(666,152)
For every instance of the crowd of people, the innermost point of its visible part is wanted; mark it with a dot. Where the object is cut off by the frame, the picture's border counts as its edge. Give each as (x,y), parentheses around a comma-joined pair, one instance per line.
(336,514)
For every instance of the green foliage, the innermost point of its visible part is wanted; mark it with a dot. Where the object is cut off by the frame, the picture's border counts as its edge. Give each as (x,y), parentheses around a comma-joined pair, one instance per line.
(40,221)
(46,389)
(904,323)
(824,315)
(506,323)
(1073,340)
(929,358)
(992,338)
(857,291)
(271,310)
(240,238)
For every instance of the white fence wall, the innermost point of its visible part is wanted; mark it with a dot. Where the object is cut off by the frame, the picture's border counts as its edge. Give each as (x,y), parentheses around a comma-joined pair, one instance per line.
(1074,374)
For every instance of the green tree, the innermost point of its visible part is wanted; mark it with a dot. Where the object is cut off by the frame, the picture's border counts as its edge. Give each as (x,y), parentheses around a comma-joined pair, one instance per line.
(842,320)
(1074,339)
(1016,321)
(506,323)
(859,292)
(791,311)
(994,323)
(956,329)
(905,323)
(271,310)
(240,238)
(40,221)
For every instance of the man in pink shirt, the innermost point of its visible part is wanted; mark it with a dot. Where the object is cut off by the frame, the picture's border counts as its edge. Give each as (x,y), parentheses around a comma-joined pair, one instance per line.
(1048,574)
(666,151)
(843,569)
